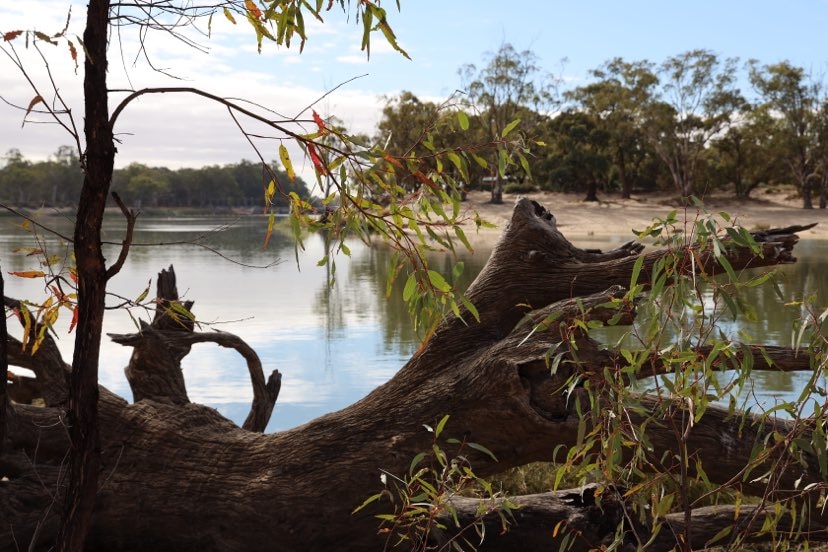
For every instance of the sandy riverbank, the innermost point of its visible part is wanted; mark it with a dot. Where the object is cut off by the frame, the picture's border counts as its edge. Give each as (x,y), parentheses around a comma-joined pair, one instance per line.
(613,216)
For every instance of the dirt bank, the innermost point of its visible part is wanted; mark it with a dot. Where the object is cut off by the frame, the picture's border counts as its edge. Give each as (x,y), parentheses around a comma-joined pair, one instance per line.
(613,216)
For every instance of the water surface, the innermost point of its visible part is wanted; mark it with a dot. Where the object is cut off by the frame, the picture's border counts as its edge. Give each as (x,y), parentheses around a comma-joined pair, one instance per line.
(334,336)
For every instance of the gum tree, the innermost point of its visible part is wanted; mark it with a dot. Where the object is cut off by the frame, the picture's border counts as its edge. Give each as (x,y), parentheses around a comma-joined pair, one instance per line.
(278,22)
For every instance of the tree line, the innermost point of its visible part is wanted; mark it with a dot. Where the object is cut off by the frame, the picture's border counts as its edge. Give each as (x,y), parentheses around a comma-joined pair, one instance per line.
(684,124)
(58,180)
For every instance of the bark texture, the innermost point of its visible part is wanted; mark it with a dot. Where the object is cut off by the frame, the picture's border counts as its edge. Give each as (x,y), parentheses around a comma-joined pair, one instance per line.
(177,475)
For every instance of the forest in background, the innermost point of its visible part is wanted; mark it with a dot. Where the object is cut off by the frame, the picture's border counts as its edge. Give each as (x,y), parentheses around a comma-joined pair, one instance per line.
(681,125)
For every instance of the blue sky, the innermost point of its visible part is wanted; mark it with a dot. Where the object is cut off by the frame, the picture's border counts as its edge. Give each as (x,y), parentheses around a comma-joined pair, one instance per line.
(440,36)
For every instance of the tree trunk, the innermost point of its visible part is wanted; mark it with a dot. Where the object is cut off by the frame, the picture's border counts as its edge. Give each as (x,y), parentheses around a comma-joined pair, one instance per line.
(178,476)
(592,191)
(626,184)
(99,157)
(497,191)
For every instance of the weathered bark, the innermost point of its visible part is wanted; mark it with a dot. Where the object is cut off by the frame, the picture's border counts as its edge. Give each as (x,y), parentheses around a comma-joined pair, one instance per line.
(154,370)
(98,161)
(176,475)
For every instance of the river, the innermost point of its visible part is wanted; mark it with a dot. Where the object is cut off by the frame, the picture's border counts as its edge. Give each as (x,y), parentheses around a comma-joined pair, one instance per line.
(334,337)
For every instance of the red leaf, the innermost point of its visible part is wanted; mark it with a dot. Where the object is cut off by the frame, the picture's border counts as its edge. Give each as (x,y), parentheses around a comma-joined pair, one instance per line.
(317,162)
(319,122)
(74,319)
(11,35)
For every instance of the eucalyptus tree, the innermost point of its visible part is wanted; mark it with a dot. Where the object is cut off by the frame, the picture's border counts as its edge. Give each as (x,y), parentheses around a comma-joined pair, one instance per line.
(793,98)
(697,101)
(748,154)
(618,99)
(510,87)
(577,157)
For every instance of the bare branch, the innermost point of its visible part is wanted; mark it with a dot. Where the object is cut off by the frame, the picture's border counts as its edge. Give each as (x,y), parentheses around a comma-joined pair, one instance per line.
(130,216)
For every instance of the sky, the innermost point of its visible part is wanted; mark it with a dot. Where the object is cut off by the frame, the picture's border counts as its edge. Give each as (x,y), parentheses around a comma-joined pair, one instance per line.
(336,78)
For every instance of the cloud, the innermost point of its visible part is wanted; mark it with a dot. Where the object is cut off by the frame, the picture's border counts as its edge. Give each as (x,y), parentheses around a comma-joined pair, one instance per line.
(180,129)
(355,59)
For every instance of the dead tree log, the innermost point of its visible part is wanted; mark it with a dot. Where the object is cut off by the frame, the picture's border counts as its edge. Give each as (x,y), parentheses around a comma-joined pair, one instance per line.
(177,475)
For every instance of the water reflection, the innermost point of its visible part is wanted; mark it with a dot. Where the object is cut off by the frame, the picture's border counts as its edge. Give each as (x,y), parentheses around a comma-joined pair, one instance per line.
(334,335)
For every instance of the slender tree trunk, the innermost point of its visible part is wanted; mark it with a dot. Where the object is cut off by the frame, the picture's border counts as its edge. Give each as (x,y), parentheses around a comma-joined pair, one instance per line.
(497,191)
(807,195)
(84,460)
(592,191)
(626,185)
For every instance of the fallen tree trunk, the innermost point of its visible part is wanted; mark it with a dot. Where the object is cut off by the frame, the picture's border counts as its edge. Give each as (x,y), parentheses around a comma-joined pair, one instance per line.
(177,475)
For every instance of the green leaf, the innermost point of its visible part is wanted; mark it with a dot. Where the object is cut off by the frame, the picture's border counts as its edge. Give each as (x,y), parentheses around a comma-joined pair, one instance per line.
(462,237)
(502,162)
(509,128)
(440,425)
(410,287)
(484,450)
(438,281)
(636,271)
(470,307)
(144,293)
(480,161)
(416,461)
(463,119)
(369,500)
(458,162)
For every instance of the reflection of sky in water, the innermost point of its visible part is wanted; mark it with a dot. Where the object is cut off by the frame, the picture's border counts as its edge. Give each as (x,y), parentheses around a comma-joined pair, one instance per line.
(333,344)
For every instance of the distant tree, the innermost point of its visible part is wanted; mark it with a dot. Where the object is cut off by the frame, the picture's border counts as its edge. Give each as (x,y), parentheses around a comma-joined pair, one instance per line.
(794,98)
(64,177)
(748,154)
(16,178)
(509,87)
(698,101)
(618,99)
(411,128)
(578,156)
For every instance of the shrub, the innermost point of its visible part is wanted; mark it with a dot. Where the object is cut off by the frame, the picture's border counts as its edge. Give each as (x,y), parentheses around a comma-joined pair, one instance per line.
(519,188)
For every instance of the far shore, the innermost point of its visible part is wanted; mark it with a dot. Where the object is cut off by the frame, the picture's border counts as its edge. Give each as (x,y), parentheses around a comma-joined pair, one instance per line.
(615,217)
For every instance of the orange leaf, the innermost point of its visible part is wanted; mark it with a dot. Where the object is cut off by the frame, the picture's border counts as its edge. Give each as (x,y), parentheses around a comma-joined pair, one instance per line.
(11,35)
(73,52)
(317,162)
(28,274)
(36,100)
(253,9)
(425,180)
(393,160)
(319,122)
